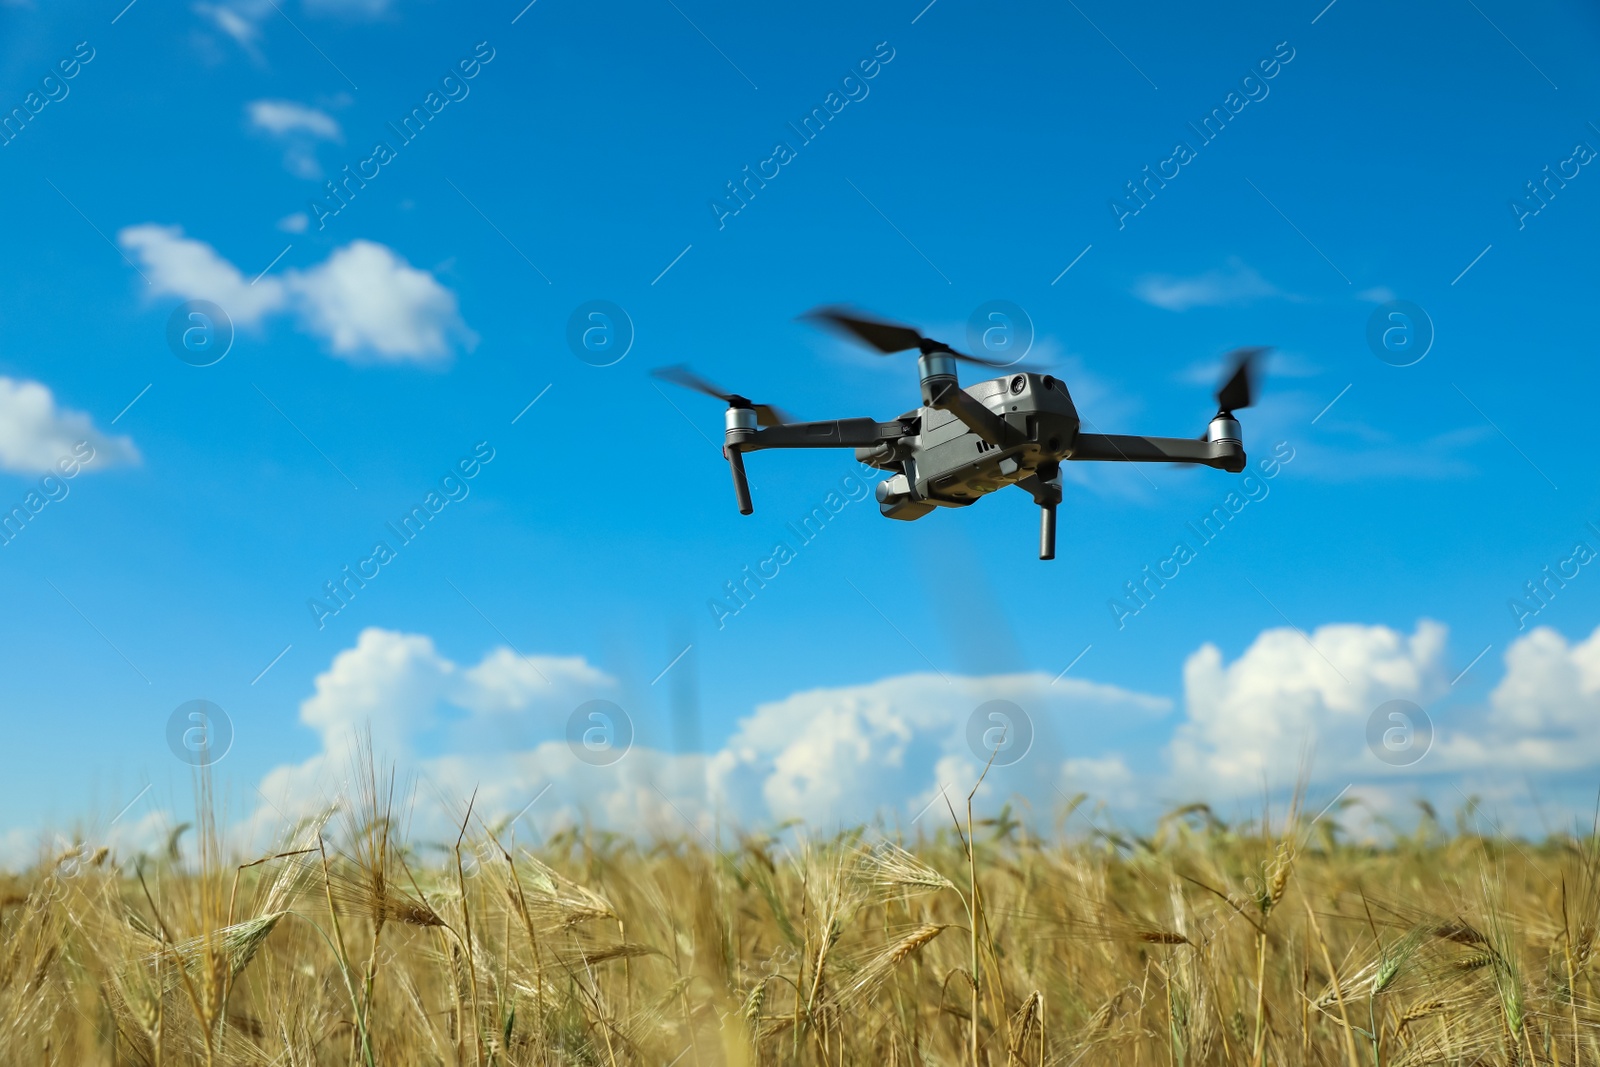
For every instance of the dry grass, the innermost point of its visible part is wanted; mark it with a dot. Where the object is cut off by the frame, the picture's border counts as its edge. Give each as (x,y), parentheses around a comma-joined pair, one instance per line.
(1203,944)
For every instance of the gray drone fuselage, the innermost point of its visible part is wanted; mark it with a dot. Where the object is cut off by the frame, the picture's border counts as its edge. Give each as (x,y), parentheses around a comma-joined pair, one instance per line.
(947,464)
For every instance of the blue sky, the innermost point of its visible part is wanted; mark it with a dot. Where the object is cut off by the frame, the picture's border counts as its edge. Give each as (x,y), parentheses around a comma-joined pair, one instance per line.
(379,347)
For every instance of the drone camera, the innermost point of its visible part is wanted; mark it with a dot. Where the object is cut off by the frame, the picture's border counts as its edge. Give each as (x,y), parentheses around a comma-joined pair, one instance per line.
(895,499)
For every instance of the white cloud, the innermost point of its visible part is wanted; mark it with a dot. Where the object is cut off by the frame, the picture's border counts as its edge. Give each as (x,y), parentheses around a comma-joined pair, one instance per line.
(192,270)
(237,20)
(1236,284)
(36,434)
(823,755)
(364,301)
(389,683)
(1252,721)
(1545,712)
(299,127)
(843,753)
(295,222)
(505,682)
(1107,778)
(398,689)
(890,747)
(395,684)
(285,117)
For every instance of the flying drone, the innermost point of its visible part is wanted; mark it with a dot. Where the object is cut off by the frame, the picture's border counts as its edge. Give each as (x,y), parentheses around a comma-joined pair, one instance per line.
(964,443)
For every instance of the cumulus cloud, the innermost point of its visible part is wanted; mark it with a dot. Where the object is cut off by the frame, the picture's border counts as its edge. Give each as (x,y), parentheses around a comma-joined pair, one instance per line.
(841,754)
(1233,285)
(399,690)
(365,298)
(1252,720)
(364,302)
(845,753)
(36,433)
(192,270)
(389,683)
(1249,722)
(394,685)
(1545,712)
(894,747)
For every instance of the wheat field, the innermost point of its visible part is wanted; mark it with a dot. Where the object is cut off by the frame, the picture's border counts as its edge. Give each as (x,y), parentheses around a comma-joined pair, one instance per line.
(978,941)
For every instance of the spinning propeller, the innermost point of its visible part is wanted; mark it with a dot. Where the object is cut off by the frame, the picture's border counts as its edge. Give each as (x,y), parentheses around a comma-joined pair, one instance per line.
(888,337)
(766,414)
(1238,392)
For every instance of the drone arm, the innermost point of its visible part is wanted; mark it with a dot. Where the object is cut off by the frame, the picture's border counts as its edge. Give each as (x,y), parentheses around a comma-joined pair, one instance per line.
(980,420)
(943,394)
(1224,455)
(744,435)
(838,433)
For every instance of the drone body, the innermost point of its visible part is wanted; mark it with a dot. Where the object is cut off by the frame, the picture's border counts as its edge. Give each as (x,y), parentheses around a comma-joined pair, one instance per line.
(962,444)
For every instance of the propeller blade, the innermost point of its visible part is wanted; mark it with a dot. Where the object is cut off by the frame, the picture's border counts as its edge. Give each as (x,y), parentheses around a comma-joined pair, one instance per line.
(1238,392)
(688,379)
(979,359)
(766,414)
(888,337)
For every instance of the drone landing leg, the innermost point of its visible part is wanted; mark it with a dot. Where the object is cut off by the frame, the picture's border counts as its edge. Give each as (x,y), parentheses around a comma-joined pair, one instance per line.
(1045,487)
(741,484)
